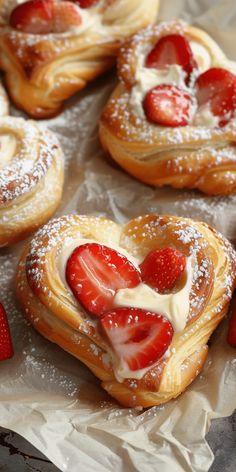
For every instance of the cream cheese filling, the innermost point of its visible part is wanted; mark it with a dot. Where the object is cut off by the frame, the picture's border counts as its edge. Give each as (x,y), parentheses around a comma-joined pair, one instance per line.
(174,306)
(147,78)
(91,20)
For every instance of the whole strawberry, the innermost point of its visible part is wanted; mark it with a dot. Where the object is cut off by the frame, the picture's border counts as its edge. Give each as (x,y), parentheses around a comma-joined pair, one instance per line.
(6,349)
(162,268)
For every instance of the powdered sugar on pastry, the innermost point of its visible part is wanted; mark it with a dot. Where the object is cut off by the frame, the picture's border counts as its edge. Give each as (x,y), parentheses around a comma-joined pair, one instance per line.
(54,311)
(43,70)
(142,78)
(31,177)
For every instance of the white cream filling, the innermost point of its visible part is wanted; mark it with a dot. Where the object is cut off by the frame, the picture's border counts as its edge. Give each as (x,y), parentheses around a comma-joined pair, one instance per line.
(147,78)
(174,306)
(91,19)
(204,117)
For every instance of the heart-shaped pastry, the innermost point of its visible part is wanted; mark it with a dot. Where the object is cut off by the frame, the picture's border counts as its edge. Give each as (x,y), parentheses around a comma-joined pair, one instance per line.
(135,303)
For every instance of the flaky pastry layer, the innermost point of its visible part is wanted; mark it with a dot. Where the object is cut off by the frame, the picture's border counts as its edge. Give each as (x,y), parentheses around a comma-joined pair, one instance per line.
(53,310)
(31,177)
(41,71)
(190,156)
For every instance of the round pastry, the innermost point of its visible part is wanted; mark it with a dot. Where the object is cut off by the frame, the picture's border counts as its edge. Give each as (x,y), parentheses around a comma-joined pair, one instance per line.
(135,303)
(172,118)
(31,178)
(50,49)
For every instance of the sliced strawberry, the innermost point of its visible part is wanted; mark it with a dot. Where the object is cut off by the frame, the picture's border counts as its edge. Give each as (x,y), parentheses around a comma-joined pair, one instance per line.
(168,105)
(231,337)
(95,272)
(138,337)
(162,268)
(45,16)
(65,15)
(86,3)
(218,88)
(172,49)
(34,16)
(6,349)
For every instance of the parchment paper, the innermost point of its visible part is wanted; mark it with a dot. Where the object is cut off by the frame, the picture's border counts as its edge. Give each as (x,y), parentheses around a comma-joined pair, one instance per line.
(48,396)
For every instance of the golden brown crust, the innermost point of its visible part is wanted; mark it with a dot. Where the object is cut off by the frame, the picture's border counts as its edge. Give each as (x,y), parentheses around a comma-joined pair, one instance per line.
(191,156)
(31,178)
(41,71)
(51,307)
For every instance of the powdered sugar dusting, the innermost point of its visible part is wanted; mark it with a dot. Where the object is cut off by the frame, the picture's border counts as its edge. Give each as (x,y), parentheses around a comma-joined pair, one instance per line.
(199,155)
(110,192)
(34,156)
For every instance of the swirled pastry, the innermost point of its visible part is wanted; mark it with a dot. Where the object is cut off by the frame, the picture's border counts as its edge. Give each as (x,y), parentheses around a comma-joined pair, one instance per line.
(172,118)
(31,178)
(50,49)
(135,303)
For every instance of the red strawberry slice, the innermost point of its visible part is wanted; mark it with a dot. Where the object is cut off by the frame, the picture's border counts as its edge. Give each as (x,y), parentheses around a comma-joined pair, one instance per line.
(85,3)
(172,49)
(45,16)
(217,87)
(6,349)
(95,272)
(65,15)
(34,16)
(168,105)
(162,268)
(138,337)
(231,336)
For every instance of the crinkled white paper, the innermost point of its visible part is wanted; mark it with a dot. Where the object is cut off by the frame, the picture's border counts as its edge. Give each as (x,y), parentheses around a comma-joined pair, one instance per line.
(51,398)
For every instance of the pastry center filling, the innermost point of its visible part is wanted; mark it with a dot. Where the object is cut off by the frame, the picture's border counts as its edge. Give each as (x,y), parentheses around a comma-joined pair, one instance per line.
(50,16)
(176,85)
(138,302)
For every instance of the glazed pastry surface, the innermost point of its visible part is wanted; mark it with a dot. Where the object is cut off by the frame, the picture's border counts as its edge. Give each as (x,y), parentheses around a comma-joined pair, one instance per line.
(54,311)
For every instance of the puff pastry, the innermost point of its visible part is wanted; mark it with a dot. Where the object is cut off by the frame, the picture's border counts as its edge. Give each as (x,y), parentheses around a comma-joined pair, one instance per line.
(54,311)
(41,71)
(31,178)
(199,155)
